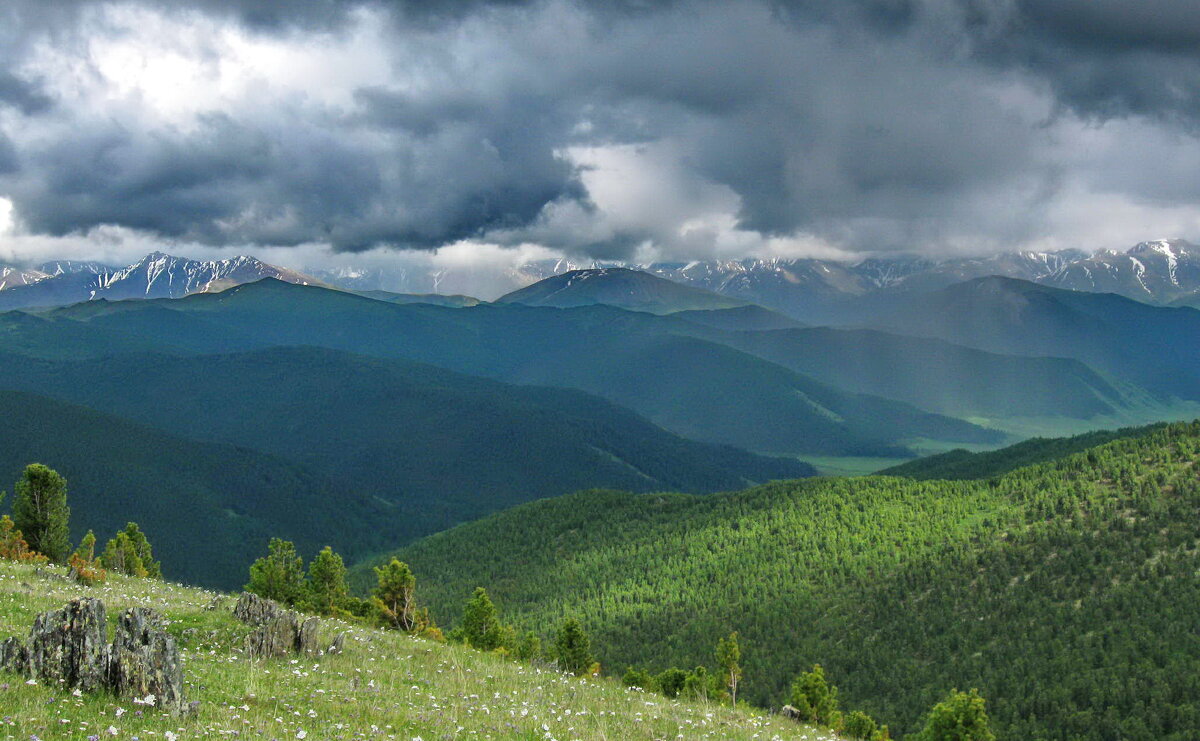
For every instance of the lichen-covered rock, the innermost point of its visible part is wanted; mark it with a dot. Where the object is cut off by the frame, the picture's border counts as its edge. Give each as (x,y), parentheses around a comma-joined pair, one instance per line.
(255,610)
(280,632)
(338,644)
(67,647)
(13,656)
(145,660)
(306,639)
(278,637)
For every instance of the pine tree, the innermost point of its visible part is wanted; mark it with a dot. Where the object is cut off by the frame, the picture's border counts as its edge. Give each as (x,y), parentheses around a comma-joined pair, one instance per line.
(327,590)
(573,648)
(395,596)
(145,553)
(87,547)
(815,698)
(962,716)
(121,555)
(481,622)
(41,513)
(279,575)
(529,647)
(729,653)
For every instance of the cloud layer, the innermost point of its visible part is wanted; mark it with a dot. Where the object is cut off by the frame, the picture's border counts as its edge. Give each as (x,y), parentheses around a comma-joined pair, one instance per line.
(683,129)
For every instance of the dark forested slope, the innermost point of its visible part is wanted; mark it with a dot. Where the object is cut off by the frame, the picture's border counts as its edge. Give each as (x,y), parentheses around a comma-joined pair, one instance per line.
(208,508)
(442,447)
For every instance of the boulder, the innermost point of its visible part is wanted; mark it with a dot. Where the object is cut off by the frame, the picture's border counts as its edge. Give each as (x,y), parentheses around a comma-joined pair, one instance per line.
(13,656)
(339,643)
(255,610)
(286,634)
(67,647)
(280,632)
(145,660)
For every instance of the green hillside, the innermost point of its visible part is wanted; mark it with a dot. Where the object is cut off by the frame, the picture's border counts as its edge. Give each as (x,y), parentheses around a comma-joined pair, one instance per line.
(1065,591)
(207,507)
(439,447)
(963,464)
(385,685)
(692,386)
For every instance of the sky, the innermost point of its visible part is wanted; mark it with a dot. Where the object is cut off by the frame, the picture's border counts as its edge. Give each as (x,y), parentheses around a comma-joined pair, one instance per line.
(329,131)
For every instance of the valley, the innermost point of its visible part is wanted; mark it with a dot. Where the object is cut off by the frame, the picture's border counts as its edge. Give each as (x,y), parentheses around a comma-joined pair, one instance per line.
(667,464)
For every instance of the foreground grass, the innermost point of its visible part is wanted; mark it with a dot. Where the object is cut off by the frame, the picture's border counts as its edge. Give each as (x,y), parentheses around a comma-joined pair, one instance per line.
(385,685)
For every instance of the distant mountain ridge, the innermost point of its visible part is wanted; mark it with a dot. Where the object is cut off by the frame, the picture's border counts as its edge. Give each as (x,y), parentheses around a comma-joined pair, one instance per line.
(1165,271)
(157,275)
(622,287)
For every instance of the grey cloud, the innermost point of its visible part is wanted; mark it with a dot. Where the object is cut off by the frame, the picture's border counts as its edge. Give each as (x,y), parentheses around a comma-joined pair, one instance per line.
(873,123)
(26,96)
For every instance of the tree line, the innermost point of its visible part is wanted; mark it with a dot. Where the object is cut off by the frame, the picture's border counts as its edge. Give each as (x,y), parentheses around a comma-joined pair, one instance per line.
(39,531)
(392,604)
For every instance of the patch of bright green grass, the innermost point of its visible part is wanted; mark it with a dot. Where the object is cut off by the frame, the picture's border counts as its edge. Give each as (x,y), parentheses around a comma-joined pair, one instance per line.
(385,685)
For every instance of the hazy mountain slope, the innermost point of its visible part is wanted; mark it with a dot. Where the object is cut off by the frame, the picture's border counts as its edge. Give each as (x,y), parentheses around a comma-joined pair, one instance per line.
(1064,592)
(208,508)
(1155,347)
(742,318)
(436,299)
(936,375)
(157,275)
(444,447)
(691,386)
(628,289)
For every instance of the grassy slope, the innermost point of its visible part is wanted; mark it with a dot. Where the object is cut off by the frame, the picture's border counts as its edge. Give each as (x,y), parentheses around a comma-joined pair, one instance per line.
(385,685)
(1063,591)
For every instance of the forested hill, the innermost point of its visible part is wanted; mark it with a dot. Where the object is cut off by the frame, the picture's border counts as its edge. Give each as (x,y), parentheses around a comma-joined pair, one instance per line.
(963,464)
(1066,591)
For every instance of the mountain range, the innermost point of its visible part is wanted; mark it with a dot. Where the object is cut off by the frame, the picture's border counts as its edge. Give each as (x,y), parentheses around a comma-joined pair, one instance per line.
(157,275)
(1165,271)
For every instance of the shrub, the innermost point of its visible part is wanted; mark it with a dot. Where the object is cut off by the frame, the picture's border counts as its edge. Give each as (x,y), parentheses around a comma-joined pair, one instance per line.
(962,716)
(13,545)
(815,698)
(859,725)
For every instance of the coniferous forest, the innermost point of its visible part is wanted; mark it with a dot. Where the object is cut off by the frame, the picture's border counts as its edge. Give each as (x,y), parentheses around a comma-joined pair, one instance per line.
(1064,591)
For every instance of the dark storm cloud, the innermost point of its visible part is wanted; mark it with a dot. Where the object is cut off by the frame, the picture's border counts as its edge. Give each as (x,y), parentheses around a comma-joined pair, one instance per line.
(872,123)
(1103,57)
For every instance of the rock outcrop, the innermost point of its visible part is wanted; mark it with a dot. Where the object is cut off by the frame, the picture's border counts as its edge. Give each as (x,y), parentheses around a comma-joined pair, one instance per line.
(144,659)
(280,632)
(255,610)
(67,648)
